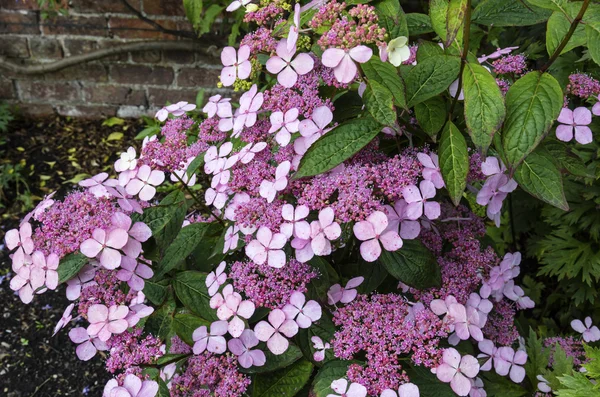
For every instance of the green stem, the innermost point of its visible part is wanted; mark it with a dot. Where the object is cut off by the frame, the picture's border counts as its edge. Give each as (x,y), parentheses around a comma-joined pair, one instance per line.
(566,39)
(463,56)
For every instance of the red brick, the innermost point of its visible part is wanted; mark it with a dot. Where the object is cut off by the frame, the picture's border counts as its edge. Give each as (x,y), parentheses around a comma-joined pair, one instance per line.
(164,7)
(95,72)
(197,77)
(158,97)
(102,6)
(12,22)
(34,110)
(181,57)
(14,47)
(76,25)
(146,56)
(117,95)
(45,48)
(134,28)
(41,91)
(139,74)
(19,4)
(7,89)
(87,112)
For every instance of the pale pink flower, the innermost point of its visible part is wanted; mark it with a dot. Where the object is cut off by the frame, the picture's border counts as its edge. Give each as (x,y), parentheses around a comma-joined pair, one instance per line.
(250,103)
(216,278)
(182,174)
(511,362)
(317,124)
(431,170)
(248,152)
(145,182)
(294,29)
(237,308)
(39,209)
(242,348)
(268,247)
(176,109)
(303,249)
(217,196)
(304,313)
(83,278)
(323,231)
(489,351)
(466,321)
(575,120)
(457,371)
(137,311)
(214,341)
(88,346)
(295,224)
(285,125)
(138,233)
(319,347)
(398,221)
(346,294)
(238,199)
(494,191)
(477,389)
(28,279)
(49,267)
(217,105)
(417,199)
(125,201)
(21,240)
(231,239)
(405,390)
(218,299)
(516,293)
(543,384)
(269,189)
(65,319)
(271,331)
(106,321)
(496,54)
(234,5)
(590,333)
(132,387)
(483,307)
(374,231)
(134,273)
(215,158)
(105,246)
(340,386)
(286,68)
(596,107)
(342,61)
(98,183)
(236,65)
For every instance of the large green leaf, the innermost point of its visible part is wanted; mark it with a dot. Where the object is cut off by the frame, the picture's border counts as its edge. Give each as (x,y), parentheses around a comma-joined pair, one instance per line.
(379,102)
(156,293)
(418,24)
(538,176)
(431,77)
(532,104)
(70,265)
(284,382)
(391,17)
(276,362)
(592,31)
(454,19)
(185,324)
(428,49)
(190,288)
(438,12)
(184,244)
(484,105)
(337,146)
(331,371)
(431,115)
(160,322)
(508,13)
(557,29)
(413,264)
(193,11)
(454,161)
(165,219)
(324,329)
(554,5)
(386,74)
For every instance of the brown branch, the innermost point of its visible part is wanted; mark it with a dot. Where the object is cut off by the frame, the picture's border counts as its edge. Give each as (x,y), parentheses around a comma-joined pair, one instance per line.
(210,50)
(156,25)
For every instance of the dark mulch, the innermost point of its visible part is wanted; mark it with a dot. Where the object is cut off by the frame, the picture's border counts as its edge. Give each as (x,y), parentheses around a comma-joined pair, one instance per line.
(51,153)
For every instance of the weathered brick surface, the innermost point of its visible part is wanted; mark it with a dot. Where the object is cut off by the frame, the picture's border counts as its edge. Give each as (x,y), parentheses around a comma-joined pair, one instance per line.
(126,85)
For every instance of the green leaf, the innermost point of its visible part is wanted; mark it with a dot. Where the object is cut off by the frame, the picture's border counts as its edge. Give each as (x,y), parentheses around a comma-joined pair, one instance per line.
(193,11)
(577,385)
(454,19)
(379,102)
(200,97)
(148,131)
(190,288)
(160,322)
(115,136)
(155,293)
(413,264)
(391,17)
(112,121)
(331,371)
(508,13)
(158,217)
(418,24)
(373,272)
(196,163)
(184,244)
(454,161)
(70,265)
(592,31)
(538,176)
(431,77)
(210,15)
(428,49)
(484,105)
(537,357)
(285,382)
(499,386)
(185,324)
(532,104)
(554,5)
(387,75)
(428,383)
(557,29)
(431,115)
(438,12)
(336,146)
(324,329)
(275,362)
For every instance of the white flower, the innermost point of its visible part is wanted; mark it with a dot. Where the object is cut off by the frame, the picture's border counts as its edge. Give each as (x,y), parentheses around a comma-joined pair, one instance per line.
(398,50)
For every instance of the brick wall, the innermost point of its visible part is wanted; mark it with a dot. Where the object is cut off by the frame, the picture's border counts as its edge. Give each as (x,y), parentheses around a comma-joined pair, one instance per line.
(125,85)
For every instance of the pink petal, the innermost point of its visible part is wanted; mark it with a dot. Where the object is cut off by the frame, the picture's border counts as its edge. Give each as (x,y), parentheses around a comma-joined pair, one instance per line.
(228,56)
(391,241)
(370,250)
(460,384)
(445,373)
(287,77)
(303,63)
(578,326)
(216,344)
(582,116)
(86,351)
(345,72)
(361,53)
(469,366)
(228,75)
(263,331)
(564,132)
(244,70)
(332,57)
(583,135)
(276,259)
(117,238)
(110,258)
(379,221)
(90,248)
(364,230)
(97,313)
(277,344)
(432,210)
(517,374)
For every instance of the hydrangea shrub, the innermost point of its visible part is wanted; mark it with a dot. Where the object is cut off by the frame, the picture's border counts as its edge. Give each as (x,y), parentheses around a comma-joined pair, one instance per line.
(327,234)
